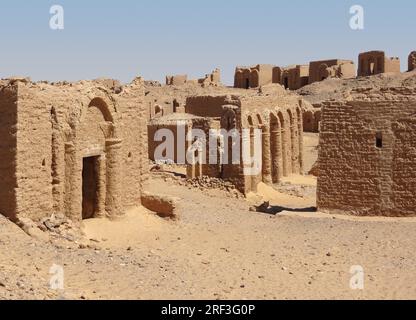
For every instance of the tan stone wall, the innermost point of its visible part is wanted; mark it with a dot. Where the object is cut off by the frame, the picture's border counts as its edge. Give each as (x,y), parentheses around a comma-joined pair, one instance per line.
(404,166)
(366,157)
(134,113)
(8,127)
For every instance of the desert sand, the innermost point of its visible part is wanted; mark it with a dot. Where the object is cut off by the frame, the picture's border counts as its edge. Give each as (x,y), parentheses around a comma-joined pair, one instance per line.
(219,249)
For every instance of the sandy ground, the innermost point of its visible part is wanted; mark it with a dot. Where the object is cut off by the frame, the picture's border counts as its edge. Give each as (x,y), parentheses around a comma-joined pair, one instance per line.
(218,249)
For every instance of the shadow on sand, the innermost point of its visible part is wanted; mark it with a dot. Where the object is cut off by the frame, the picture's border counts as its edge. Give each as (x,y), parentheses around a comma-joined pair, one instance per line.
(274,210)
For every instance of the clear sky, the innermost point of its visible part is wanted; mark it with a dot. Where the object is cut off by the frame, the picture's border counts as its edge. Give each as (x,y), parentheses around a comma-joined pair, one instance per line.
(125,38)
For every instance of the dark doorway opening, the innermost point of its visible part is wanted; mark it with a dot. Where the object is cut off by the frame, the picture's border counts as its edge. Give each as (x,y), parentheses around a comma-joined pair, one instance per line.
(90,183)
(379,140)
(286,83)
(247,83)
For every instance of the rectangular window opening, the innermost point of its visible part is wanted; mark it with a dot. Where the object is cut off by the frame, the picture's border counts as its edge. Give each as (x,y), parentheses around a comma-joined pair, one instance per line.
(379,140)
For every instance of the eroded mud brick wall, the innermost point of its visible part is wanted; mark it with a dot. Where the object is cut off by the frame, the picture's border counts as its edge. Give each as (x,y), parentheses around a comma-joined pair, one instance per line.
(8,134)
(320,70)
(134,134)
(375,62)
(367,154)
(208,106)
(33,152)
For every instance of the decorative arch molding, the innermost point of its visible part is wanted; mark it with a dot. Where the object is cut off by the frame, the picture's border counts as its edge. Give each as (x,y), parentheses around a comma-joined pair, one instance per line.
(107,163)
(103,107)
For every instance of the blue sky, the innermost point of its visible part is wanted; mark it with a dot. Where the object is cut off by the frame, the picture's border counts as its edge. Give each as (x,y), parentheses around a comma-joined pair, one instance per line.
(152,38)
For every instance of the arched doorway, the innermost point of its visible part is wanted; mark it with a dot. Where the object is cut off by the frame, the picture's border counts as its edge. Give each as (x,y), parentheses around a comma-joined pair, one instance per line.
(93,165)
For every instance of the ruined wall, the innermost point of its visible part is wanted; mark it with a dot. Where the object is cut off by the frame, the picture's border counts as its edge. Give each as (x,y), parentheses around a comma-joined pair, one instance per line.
(295,77)
(209,105)
(321,70)
(404,166)
(277,75)
(176,80)
(311,120)
(134,113)
(211,79)
(376,62)
(366,154)
(8,132)
(34,152)
(412,61)
(253,77)
(175,123)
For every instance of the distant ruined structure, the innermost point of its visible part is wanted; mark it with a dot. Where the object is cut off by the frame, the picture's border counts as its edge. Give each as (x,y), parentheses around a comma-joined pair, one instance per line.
(253,77)
(212,79)
(367,154)
(376,62)
(321,70)
(176,80)
(292,77)
(275,112)
(412,61)
(77,149)
(295,77)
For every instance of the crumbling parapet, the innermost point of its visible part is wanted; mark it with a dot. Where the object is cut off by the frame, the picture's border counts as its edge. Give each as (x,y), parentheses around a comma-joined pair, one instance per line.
(176,80)
(321,70)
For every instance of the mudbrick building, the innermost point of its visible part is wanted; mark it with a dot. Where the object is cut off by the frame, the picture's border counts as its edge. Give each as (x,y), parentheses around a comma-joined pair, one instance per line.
(77,149)
(367,153)
(211,79)
(375,62)
(321,70)
(253,77)
(276,113)
(295,77)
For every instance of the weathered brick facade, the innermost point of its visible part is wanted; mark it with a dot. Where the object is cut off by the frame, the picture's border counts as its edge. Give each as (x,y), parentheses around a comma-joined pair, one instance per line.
(367,154)
(77,149)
